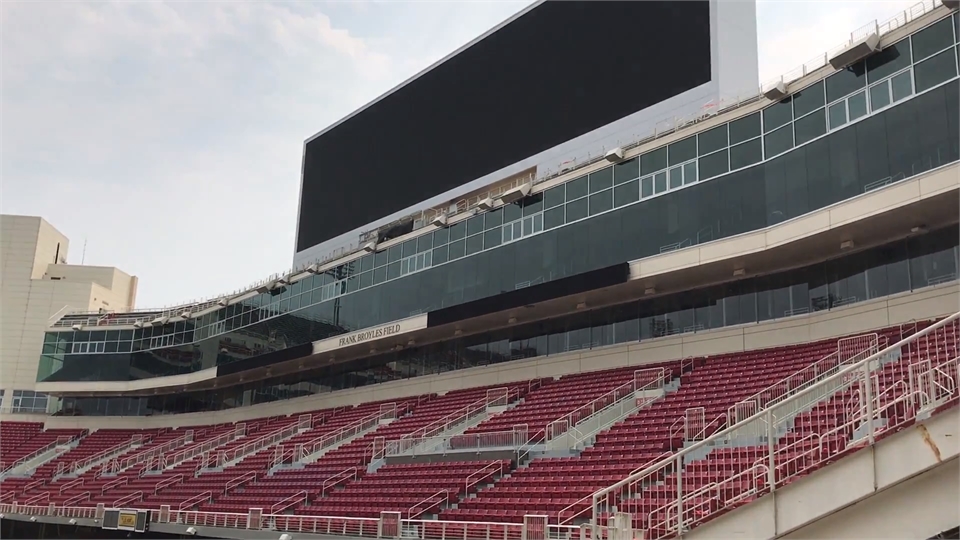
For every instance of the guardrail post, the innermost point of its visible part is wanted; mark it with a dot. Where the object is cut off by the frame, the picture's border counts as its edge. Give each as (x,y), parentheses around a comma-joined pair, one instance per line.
(678,466)
(771,456)
(868,393)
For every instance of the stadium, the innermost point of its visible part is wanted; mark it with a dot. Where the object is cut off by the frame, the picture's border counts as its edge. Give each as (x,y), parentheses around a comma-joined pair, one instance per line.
(621,297)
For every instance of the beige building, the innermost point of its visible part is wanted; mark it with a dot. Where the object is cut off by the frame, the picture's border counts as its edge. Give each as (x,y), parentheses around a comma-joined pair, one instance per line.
(37,284)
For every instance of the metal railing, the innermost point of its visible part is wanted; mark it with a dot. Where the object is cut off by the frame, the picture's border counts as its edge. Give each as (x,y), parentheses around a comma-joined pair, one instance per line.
(85,496)
(223,457)
(838,413)
(443,444)
(388,411)
(481,474)
(496,397)
(117,465)
(239,481)
(625,398)
(427,504)
(70,485)
(112,484)
(136,496)
(298,498)
(337,479)
(195,500)
(77,466)
(61,440)
(169,460)
(175,479)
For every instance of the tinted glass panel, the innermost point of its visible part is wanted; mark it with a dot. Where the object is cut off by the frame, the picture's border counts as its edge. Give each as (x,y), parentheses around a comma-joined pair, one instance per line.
(745,128)
(601,179)
(553,218)
(932,39)
(838,114)
(808,100)
(576,188)
(810,127)
(778,141)
(712,140)
(714,164)
(777,115)
(902,85)
(646,185)
(934,71)
(746,154)
(879,95)
(846,81)
(626,193)
(553,197)
(628,170)
(682,151)
(576,210)
(857,105)
(653,161)
(888,61)
(601,202)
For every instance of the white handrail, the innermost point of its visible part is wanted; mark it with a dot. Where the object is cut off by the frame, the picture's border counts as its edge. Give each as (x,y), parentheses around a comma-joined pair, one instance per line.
(195,500)
(99,456)
(337,479)
(327,440)
(300,496)
(226,456)
(944,336)
(239,481)
(410,511)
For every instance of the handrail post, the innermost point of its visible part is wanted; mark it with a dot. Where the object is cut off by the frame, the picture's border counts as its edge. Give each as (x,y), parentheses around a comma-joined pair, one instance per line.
(771,455)
(679,466)
(868,382)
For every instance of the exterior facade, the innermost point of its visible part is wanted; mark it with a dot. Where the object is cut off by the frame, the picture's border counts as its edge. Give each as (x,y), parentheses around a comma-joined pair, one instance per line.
(844,193)
(39,286)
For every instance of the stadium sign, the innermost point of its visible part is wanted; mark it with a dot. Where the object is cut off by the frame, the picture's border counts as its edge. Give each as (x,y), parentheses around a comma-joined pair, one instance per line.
(369,335)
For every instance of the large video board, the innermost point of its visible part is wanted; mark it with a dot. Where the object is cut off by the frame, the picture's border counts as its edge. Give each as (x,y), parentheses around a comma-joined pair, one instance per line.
(560,70)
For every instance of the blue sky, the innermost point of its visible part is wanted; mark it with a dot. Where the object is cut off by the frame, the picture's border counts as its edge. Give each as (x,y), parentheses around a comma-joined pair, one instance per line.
(168,135)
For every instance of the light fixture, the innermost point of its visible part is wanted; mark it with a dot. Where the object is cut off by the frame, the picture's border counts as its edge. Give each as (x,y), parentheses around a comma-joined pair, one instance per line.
(33,518)
(512,320)
(582,305)
(847,244)
(739,271)
(72,521)
(285,536)
(191,531)
(650,290)
(615,155)
(485,204)
(776,92)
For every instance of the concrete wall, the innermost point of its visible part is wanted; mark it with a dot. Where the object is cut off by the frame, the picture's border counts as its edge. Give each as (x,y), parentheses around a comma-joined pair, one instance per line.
(35,284)
(925,304)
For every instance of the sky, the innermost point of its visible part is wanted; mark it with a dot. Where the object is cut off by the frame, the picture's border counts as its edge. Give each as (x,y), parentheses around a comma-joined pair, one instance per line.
(167,137)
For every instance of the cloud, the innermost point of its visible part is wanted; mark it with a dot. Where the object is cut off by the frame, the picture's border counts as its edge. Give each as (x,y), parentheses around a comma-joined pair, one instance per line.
(169,135)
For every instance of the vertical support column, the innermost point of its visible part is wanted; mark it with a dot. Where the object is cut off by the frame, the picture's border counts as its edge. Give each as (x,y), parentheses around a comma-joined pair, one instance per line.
(164,515)
(868,394)
(254,517)
(389,525)
(534,527)
(771,452)
(678,466)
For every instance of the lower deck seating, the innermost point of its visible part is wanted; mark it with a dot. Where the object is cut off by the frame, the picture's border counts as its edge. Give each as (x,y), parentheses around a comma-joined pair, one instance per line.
(337,482)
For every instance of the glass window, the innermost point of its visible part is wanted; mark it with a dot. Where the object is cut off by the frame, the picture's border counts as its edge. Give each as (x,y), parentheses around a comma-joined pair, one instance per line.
(808,100)
(512,212)
(675,177)
(393,255)
(576,210)
(810,127)
(690,173)
(779,141)
(553,197)
(746,154)
(457,231)
(601,202)
(932,40)
(653,161)
(440,237)
(491,238)
(626,171)
(553,218)
(879,95)
(532,205)
(745,128)
(457,250)
(777,115)
(857,105)
(660,182)
(838,114)
(601,179)
(626,193)
(475,225)
(646,187)
(576,188)
(366,263)
(712,140)
(713,165)
(888,61)
(934,71)
(493,218)
(408,248)
(682,151)
(474,244)
(902,85)
(845,82)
